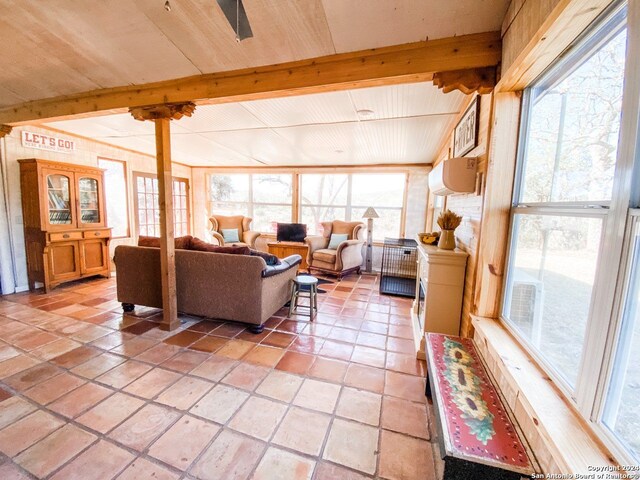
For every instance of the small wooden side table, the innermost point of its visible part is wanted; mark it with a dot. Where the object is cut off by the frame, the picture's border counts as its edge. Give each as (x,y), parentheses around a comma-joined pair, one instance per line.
(284,249)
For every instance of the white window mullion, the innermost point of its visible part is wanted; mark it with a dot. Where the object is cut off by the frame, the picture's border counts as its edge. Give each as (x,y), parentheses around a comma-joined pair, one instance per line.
(626,193)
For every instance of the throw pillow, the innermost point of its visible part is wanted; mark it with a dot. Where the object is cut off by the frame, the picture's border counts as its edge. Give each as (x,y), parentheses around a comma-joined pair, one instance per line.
(181,243)
(337,239)
(202,246)
(230,235)
(267,257)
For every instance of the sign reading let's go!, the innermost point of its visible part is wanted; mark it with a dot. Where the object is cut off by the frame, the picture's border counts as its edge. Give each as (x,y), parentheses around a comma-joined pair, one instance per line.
(47,142)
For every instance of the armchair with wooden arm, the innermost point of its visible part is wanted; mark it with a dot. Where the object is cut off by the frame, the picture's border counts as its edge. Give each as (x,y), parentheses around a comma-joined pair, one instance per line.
(344,259)
(242,224)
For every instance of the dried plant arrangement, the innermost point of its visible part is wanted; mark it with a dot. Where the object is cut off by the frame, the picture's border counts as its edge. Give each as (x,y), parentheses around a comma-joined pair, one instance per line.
(449,220)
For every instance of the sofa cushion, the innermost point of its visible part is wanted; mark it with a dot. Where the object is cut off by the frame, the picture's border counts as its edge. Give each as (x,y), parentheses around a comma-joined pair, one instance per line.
(287,263)
(230,235)
(325,255)
(336,240)
(344,227)
(202,246)
(268,258)
(181,243)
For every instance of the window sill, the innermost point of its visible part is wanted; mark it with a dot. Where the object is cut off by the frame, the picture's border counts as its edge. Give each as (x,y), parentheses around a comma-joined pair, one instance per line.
(559,437)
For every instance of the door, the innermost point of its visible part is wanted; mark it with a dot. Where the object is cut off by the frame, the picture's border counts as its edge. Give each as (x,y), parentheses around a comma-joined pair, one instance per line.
(94,257)
(64,261)
(89,201)
(59,194)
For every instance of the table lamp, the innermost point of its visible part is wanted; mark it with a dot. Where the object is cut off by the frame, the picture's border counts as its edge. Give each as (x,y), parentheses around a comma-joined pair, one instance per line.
(369,214)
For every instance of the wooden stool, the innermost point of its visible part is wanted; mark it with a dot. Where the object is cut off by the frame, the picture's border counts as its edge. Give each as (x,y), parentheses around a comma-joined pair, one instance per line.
(296,289)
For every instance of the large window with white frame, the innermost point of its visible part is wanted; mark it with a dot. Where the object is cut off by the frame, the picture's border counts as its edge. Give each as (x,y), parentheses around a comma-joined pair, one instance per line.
(340,196)
(572,286)
(265,197)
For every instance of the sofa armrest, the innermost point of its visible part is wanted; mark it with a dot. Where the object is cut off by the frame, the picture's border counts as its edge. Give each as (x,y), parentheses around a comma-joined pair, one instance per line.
(217,238)
(315,242)
(285,264)
(349,254)
(249,237)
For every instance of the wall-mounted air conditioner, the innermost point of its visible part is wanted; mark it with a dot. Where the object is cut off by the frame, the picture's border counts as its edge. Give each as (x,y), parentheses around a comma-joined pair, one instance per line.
(455,175)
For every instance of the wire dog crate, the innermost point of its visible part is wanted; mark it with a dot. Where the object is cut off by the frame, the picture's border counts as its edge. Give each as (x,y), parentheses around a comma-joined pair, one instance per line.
(399,267)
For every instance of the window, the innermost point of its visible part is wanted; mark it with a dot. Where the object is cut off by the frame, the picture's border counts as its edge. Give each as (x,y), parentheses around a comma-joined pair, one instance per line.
(327,197)
(621,413)
(385,193)
(115,179)
(266,198)
(572,287)
(323,198)
(148,205)
(438,204)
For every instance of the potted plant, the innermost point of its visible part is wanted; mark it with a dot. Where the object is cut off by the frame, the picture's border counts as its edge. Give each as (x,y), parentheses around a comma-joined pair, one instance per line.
(448,221)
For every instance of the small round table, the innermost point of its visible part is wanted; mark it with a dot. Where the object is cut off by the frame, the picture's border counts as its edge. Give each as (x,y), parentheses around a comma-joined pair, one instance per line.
(301,285)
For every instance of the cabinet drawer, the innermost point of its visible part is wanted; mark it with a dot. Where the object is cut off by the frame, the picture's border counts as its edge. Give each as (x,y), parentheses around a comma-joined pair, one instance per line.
(62,237)
(96,233)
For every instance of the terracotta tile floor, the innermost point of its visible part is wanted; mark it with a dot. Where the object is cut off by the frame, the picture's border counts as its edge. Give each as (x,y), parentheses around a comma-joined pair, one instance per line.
(89,393)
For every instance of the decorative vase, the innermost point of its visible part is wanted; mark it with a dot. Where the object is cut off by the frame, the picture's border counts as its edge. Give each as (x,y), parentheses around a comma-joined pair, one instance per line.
(447,240)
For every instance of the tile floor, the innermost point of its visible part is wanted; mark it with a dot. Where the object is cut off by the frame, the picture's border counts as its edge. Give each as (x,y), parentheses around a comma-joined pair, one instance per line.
(89,393)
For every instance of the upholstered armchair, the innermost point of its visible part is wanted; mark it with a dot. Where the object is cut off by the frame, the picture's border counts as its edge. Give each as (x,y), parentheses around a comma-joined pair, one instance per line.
(346,257)
(218,223)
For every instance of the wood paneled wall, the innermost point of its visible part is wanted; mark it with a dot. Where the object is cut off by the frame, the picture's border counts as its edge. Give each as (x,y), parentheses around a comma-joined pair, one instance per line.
(520,24)
(470,207)
(87,152)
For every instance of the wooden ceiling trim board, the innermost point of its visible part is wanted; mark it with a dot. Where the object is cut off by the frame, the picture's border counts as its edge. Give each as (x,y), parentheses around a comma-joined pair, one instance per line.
(371,167)
(398,64)
(567,20)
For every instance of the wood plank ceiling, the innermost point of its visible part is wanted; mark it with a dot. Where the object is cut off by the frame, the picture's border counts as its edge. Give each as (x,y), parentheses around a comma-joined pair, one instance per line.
(382,125)
(65,47)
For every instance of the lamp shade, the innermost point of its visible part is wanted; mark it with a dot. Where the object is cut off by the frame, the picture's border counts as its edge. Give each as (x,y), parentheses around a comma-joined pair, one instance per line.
(370,213)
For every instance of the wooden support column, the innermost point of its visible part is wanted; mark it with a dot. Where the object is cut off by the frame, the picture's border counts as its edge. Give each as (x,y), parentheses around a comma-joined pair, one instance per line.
(162,116)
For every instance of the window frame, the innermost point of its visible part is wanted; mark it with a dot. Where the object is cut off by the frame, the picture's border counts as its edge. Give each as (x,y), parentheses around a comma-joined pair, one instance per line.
(349,206)
(250,203)
(296,202)
(609,290)
(153,176)
(126,189)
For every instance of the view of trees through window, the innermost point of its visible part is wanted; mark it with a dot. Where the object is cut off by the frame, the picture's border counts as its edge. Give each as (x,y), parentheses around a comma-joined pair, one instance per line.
(268,199)
(148,205)
(327,197)
(569,159)
(569,154)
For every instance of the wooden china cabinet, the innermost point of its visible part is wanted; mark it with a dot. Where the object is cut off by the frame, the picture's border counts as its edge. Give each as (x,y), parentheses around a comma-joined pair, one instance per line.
(65,225)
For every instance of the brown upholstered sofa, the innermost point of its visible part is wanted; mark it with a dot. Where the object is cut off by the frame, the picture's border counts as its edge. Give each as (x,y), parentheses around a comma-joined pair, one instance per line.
(214,285)
(344,259)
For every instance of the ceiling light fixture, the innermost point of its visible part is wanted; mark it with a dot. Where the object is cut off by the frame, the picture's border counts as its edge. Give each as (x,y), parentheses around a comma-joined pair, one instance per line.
(365,113)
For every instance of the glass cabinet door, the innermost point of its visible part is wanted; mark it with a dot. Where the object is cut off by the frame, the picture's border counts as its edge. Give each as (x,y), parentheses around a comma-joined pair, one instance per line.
(59,199)
(88,201)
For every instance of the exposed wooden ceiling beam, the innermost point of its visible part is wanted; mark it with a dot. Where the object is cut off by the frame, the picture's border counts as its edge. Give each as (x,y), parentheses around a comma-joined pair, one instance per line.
(407,63)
